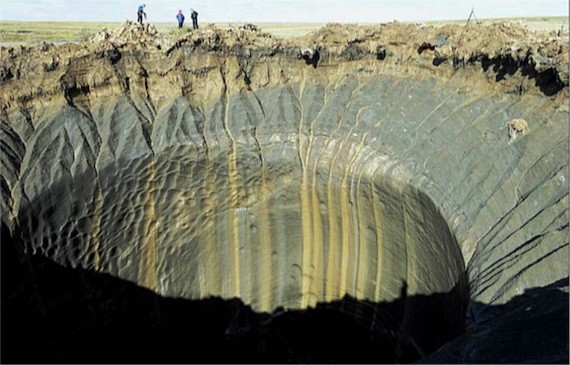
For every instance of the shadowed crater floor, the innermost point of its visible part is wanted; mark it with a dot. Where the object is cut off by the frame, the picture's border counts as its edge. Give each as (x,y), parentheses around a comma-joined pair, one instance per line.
(75,315)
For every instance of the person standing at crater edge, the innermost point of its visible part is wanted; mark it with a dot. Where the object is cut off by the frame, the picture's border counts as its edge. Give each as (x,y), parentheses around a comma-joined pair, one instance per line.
(194,16)
(180,18)
(140,13)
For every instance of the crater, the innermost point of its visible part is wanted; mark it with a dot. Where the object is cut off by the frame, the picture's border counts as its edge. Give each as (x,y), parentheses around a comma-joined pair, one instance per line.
(292,245)
(227,196)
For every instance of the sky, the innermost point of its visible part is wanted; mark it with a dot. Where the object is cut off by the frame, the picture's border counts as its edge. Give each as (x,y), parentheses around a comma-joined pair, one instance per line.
(290,11)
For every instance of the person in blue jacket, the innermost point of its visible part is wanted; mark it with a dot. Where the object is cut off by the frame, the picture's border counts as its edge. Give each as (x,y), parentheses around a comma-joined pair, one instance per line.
(194,16)
(140,13)
(180,18)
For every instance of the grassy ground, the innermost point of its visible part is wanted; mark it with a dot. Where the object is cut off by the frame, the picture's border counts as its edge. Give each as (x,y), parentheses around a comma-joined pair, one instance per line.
(13,31)
(22,32)
(537,23)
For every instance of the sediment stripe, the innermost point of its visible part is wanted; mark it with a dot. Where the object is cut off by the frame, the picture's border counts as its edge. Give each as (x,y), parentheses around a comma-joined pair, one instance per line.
(95,230)
(147,275)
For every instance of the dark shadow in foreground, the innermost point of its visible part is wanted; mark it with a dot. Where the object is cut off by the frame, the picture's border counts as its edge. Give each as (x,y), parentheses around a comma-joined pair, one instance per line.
(532,328)
(52,314)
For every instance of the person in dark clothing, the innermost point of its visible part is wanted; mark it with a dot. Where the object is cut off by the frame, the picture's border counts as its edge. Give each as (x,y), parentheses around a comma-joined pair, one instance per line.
(180,18)
(140,13)
(194,15)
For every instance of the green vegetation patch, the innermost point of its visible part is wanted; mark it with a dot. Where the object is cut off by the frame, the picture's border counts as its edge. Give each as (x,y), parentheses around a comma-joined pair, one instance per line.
(14,31)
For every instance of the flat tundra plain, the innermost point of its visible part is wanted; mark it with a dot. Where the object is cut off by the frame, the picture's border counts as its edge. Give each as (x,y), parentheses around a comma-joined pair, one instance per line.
(24,32)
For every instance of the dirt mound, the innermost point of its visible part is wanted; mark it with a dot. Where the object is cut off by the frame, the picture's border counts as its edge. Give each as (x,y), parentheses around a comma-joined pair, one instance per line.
(130,32)
(209,38)
(507,47)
